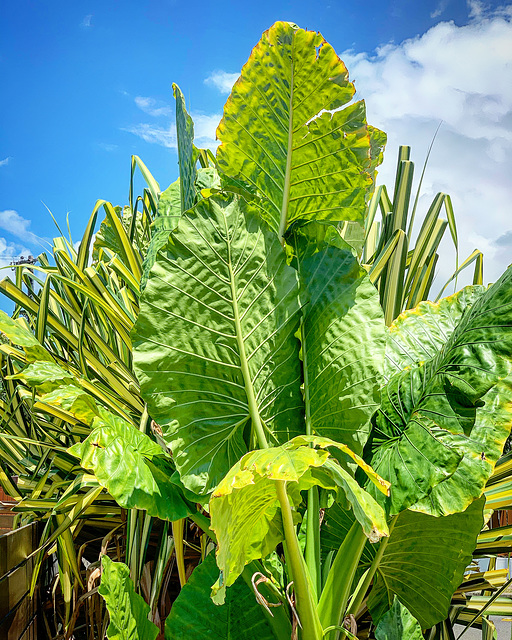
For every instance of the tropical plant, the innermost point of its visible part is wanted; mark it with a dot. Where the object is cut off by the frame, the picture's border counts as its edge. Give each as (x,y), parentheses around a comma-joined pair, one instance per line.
(318,448)
(401,266)
(73,318)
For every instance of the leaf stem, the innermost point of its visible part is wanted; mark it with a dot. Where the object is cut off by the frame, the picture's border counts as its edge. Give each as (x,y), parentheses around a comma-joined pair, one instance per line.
(312,551)
(306,607)
(336,591)
(244,365)
(365,581)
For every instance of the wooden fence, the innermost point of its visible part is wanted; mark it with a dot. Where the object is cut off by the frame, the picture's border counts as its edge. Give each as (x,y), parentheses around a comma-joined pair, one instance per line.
(18,620)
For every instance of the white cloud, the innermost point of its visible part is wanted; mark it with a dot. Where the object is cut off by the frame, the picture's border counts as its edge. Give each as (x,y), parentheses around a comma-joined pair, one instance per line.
(5,161)
(205,126)
(165,137)
(462,76)
(16,225)
(87,21)
(152,107)
(476,8)
(440,9)
(222,81)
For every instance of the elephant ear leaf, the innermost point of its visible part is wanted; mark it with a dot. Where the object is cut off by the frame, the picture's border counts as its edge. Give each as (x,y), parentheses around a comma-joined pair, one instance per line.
(187,154)
(279,135)
(343,336)
(127,609)
(398,624)
(131,467)
(430,432)
(195,617)
(245,509)
(424,563)
(20,336)
(217,356)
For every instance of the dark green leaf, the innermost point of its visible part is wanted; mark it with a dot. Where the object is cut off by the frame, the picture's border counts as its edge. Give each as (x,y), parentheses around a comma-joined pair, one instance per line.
(131,467)
(194,616)
(429,427)
(424,563)
(128,611)
(398,624)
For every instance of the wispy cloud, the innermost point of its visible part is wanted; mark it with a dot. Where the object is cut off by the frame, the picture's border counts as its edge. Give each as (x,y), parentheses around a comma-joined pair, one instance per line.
(165,137)
(5,161)
(16,225)
(463,77)
(222,81)
(205,126)
(87,21)
(440,9)
(153,107)
(477,10)
(106,146)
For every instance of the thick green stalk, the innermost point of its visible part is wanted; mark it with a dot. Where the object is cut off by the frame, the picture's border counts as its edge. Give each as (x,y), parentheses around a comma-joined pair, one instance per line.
(278,619)
(335,594)
(306,606)
(365,581)
(312,551)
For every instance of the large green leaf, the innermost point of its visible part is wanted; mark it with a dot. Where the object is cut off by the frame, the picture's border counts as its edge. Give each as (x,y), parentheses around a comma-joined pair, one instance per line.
(398,624)
(419,334)
(131,467)
(75,401)
(245,509)
(127,609)
(44,375)
(424,563)
(215,339)
(166,220)
(169,213)
(428,427)
(194,616)
(20,336)
(306,166)
(343,337)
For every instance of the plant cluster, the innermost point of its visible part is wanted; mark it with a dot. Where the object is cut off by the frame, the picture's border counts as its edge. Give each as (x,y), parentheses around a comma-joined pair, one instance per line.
(251,352)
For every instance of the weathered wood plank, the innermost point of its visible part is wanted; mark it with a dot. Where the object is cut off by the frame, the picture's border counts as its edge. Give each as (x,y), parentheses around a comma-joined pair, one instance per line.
(17,610)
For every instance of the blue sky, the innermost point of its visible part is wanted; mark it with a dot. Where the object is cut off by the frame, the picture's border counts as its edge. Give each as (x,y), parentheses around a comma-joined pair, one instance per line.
(87,84)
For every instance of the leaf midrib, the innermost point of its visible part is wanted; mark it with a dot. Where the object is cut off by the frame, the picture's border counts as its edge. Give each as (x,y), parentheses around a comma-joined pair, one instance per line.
(244,364)
(287,176)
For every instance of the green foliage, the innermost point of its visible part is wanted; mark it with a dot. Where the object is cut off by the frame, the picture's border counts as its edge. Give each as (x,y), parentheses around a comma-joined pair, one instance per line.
(128,611)
(230,298)
(131,467)
(435,402)
(398,624)
(269,380)
(306,162)
(245,505)
(342,337)
(424,563)
(195,617)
